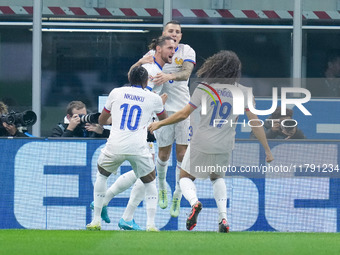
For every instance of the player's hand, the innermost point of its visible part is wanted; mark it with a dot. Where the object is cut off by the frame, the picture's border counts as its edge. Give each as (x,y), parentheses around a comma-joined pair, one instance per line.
(161,78)
(164,97)
(269,156)
(94,128)
(154,126)
(74,122)
(146,59)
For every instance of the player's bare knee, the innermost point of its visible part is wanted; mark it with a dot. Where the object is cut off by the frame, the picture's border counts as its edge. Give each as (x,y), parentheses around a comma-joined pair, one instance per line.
(103,171)
(180,151)
(164,153)
(149,178)
(180,156)
(184,174)
(214,177)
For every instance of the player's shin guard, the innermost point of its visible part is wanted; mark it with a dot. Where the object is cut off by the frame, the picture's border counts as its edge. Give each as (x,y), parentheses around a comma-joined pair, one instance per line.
(220,195)
(177,196)
(178,191)
(136,196)
(151,199)
(189,190)
(123,182)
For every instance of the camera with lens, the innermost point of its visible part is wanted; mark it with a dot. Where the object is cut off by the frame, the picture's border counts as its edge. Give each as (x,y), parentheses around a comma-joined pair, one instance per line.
(91,118)
(288,125)
(26,118)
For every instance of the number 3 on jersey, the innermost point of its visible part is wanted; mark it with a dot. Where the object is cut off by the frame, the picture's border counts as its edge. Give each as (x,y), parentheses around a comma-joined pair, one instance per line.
(131,117)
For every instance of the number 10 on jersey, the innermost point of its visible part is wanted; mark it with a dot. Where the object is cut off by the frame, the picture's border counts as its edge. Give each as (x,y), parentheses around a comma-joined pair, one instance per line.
(130,117)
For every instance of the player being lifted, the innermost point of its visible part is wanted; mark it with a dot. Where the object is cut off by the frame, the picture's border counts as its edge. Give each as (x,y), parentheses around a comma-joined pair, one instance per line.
(175,78)
(212,143)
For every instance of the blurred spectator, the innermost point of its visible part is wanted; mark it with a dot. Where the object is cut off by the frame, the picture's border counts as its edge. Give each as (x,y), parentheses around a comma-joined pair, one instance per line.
(74,127)
(279,126)
(329,86)
(8,129)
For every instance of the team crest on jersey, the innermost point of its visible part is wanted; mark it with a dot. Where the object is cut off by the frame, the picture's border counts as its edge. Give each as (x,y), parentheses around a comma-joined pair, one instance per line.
(179,61)
(151,78)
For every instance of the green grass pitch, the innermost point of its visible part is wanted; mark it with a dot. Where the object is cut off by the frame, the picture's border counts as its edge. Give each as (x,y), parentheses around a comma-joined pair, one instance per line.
(63,242)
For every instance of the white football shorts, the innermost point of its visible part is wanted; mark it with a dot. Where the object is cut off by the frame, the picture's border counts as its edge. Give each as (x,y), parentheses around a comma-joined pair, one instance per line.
(202,165)
(142,165)
(178,132)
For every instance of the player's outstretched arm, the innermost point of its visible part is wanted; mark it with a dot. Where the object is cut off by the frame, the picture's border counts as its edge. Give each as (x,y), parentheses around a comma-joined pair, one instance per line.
(176,117)
(142,61)
(185,72)
(260,134)
(104,118)
(182,75)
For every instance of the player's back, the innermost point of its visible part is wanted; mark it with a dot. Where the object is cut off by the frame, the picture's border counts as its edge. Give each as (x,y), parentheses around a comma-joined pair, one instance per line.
(214,133)
(131,109)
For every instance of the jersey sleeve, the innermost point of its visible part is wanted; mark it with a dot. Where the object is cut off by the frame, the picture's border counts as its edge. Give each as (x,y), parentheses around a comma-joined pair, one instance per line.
(158,106)
(248,93)
(109,101)
(196,98)
(190,54)
(149,53)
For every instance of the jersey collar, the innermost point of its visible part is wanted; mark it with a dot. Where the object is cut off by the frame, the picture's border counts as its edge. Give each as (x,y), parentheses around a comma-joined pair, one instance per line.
(137,86)
(157,63)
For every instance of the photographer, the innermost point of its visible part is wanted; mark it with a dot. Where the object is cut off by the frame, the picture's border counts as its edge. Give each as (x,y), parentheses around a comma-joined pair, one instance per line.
(279,127)
(8,129)
(77,123)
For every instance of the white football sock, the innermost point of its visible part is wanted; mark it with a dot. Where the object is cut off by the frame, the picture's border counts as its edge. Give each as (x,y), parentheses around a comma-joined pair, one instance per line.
(99,191)
(178,191)
(151,199)
(189,190)
(136,196)
(123,182)
(220,195)
(162,168)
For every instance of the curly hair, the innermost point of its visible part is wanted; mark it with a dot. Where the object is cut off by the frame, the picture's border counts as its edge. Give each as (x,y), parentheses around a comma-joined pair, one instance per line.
(224,64)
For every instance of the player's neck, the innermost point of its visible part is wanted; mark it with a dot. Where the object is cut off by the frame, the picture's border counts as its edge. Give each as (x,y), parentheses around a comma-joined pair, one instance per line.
(158,60)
